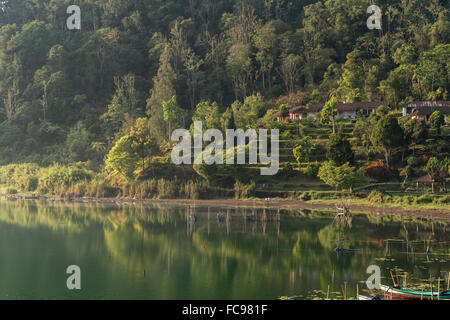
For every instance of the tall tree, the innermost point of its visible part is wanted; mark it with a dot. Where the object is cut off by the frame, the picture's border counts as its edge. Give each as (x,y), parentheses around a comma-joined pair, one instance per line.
(388,135)
(339,150)
(172,113)
(239,65)
(142,141)
(328,113)
(437,120)
(163,90)
(290,69)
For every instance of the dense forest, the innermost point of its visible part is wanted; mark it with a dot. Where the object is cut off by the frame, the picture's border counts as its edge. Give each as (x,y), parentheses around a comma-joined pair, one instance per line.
(141,68)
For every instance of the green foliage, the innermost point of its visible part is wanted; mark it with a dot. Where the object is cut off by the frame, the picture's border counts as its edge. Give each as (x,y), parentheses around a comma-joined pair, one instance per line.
(78,144)
(433,167)
(215,173)
(343,176)
(375,197)
(437,120)
(284,110)
(387,135)
(142,141)
(413,161)
(244,57)
(124,104)
(53,179)
(378,198)
(439,170)
(244,191)
(287,135)
(287,170)
(339,150)
(208,114)
(122,158)
(328,113)
(312,170)
(415,130)
(247,114)
(306,149)
(23,177)
(171,109)
(227,120)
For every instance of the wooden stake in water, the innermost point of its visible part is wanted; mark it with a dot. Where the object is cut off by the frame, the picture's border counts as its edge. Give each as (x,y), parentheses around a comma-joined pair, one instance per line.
(345,290)
(421,295)
(357,291)
(393,280)
(396,274)
(439,288)
(328,292)
(448,282)
(431,285)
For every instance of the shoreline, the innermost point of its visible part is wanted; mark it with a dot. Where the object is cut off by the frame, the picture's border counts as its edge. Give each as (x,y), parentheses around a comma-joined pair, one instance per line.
(426,213)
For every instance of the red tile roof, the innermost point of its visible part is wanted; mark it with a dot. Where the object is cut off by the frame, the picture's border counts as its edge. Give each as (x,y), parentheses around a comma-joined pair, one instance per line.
(317,107)
(426,108)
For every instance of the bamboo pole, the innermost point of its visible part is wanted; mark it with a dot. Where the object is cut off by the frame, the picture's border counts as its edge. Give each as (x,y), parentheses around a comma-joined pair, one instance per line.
(345,286)
(421,295)
(439,288)
(328,292)
(448,282)
(431,286)
(357,291)
(393,280)
(396,275)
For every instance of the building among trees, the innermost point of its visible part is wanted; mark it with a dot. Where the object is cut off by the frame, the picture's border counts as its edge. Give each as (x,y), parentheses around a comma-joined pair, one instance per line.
(424,109)
(343,110)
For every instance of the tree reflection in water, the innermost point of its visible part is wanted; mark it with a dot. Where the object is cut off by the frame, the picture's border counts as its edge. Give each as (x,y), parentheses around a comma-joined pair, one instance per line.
(174,252)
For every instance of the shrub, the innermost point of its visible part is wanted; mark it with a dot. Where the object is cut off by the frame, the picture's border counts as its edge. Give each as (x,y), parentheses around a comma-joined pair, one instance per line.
(304,196)
(56,177)
(288,170)
(243,191)
(378,170)
(413,161)
(375,197)
(167,189)
(22,177)
(286,135)
(312,170)
(193,189)
(442,200)
(425,198)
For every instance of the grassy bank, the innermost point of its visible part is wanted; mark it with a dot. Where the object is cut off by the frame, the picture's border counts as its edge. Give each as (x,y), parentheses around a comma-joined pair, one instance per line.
(79,181)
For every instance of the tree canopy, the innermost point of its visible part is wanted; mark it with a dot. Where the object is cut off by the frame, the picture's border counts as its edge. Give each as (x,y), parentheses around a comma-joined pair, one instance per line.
(227,62)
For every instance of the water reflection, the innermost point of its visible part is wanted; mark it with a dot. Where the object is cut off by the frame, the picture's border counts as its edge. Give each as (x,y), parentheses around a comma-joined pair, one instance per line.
(167,252)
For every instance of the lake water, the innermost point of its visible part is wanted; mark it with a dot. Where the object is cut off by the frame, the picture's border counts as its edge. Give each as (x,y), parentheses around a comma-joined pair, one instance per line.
(157,252)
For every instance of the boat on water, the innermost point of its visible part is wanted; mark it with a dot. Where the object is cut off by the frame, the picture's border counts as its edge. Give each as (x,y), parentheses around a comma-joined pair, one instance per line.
(399,293)
(361,297)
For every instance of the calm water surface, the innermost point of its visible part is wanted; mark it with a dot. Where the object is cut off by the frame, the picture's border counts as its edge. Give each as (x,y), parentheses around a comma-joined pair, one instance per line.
(157,252)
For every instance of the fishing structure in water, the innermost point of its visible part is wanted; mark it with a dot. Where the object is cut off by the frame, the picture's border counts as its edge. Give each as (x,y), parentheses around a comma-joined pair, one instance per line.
(343,215)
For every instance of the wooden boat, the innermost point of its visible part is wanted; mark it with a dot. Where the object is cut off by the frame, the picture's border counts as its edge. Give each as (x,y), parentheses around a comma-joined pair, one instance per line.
(361,297)
(399,293)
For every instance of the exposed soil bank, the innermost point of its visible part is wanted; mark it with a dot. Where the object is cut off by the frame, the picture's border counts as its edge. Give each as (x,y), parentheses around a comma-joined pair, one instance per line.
(437,214)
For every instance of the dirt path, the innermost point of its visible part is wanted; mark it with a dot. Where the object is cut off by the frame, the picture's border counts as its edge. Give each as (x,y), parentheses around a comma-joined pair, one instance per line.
(437,214)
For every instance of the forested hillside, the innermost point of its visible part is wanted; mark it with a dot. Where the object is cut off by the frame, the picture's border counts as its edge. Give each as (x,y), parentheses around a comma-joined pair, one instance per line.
(69,95)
